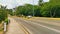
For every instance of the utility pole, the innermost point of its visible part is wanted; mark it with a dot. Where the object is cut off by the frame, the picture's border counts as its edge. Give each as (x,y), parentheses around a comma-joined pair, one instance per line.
(33,7)
(13,10)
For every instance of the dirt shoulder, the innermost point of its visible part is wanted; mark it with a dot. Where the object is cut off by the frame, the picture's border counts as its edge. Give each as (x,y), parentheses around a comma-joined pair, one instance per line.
(52,21)
(1,32)
(1,29)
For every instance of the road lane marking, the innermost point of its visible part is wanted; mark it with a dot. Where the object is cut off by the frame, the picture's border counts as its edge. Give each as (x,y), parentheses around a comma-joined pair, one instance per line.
(48,28)
(23,28)
(44,26)
(26,30)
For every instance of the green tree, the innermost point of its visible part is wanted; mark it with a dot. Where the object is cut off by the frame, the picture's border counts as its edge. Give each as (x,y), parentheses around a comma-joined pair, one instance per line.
(40,2)
(10,11)
(50,8)
(3,13)
(27,9)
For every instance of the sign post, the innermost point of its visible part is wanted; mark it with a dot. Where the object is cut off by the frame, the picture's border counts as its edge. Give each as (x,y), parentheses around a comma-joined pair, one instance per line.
(4,27)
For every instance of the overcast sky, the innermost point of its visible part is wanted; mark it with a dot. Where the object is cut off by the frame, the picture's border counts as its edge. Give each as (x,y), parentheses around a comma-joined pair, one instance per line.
(13,3)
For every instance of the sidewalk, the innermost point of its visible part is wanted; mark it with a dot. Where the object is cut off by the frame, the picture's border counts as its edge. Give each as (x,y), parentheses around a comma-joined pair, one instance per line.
(14,28)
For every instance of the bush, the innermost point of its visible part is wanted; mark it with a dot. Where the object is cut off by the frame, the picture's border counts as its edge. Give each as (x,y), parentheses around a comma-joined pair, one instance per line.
(6,20)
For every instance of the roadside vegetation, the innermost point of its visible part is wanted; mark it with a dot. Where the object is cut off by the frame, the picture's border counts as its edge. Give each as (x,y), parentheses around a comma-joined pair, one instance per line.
(3,17)
(43,9)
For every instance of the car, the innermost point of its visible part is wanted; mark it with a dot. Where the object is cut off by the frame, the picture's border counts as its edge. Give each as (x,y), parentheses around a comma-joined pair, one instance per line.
(29,16)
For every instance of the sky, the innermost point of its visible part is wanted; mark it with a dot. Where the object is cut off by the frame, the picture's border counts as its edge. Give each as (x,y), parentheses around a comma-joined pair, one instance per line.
(13,3)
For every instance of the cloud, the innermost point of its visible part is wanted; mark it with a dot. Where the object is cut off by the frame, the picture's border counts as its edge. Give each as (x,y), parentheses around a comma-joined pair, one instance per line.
(10,3)
(21,2)
(13,3)
(46,0)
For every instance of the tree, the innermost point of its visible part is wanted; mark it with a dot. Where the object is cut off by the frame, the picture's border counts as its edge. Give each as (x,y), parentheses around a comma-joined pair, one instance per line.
(20,10)
(25,10)
(10,11)
(28,10)
(50,8)
(40,2)
(3,13)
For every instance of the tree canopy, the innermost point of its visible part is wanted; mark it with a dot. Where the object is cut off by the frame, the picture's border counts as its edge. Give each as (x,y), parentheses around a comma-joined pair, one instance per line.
(51,8)
(27,9)
(3,13)
(45,9)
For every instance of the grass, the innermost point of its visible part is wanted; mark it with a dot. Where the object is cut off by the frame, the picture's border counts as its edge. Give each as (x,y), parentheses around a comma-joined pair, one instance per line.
(1,32)
(54,18)
(42,18)
(49,18)
(1,28)
(26,18)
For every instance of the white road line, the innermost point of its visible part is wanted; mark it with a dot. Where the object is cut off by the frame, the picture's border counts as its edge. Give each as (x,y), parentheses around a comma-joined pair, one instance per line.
(58,31)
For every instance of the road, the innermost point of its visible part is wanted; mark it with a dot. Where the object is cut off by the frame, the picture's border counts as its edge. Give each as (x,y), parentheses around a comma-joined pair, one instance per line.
(14,28)
(35,27)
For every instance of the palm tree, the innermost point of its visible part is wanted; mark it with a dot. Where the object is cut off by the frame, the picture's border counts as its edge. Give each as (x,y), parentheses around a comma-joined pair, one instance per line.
(40,2)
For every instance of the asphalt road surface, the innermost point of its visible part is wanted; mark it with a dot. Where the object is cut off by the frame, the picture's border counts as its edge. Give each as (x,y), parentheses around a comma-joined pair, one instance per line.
(35,27)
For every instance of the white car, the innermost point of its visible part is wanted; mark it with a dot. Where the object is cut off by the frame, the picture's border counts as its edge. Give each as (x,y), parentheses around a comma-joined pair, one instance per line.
(29,16)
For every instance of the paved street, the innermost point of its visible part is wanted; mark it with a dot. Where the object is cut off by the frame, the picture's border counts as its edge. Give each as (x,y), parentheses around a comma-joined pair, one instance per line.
(39,27)
(14,28)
